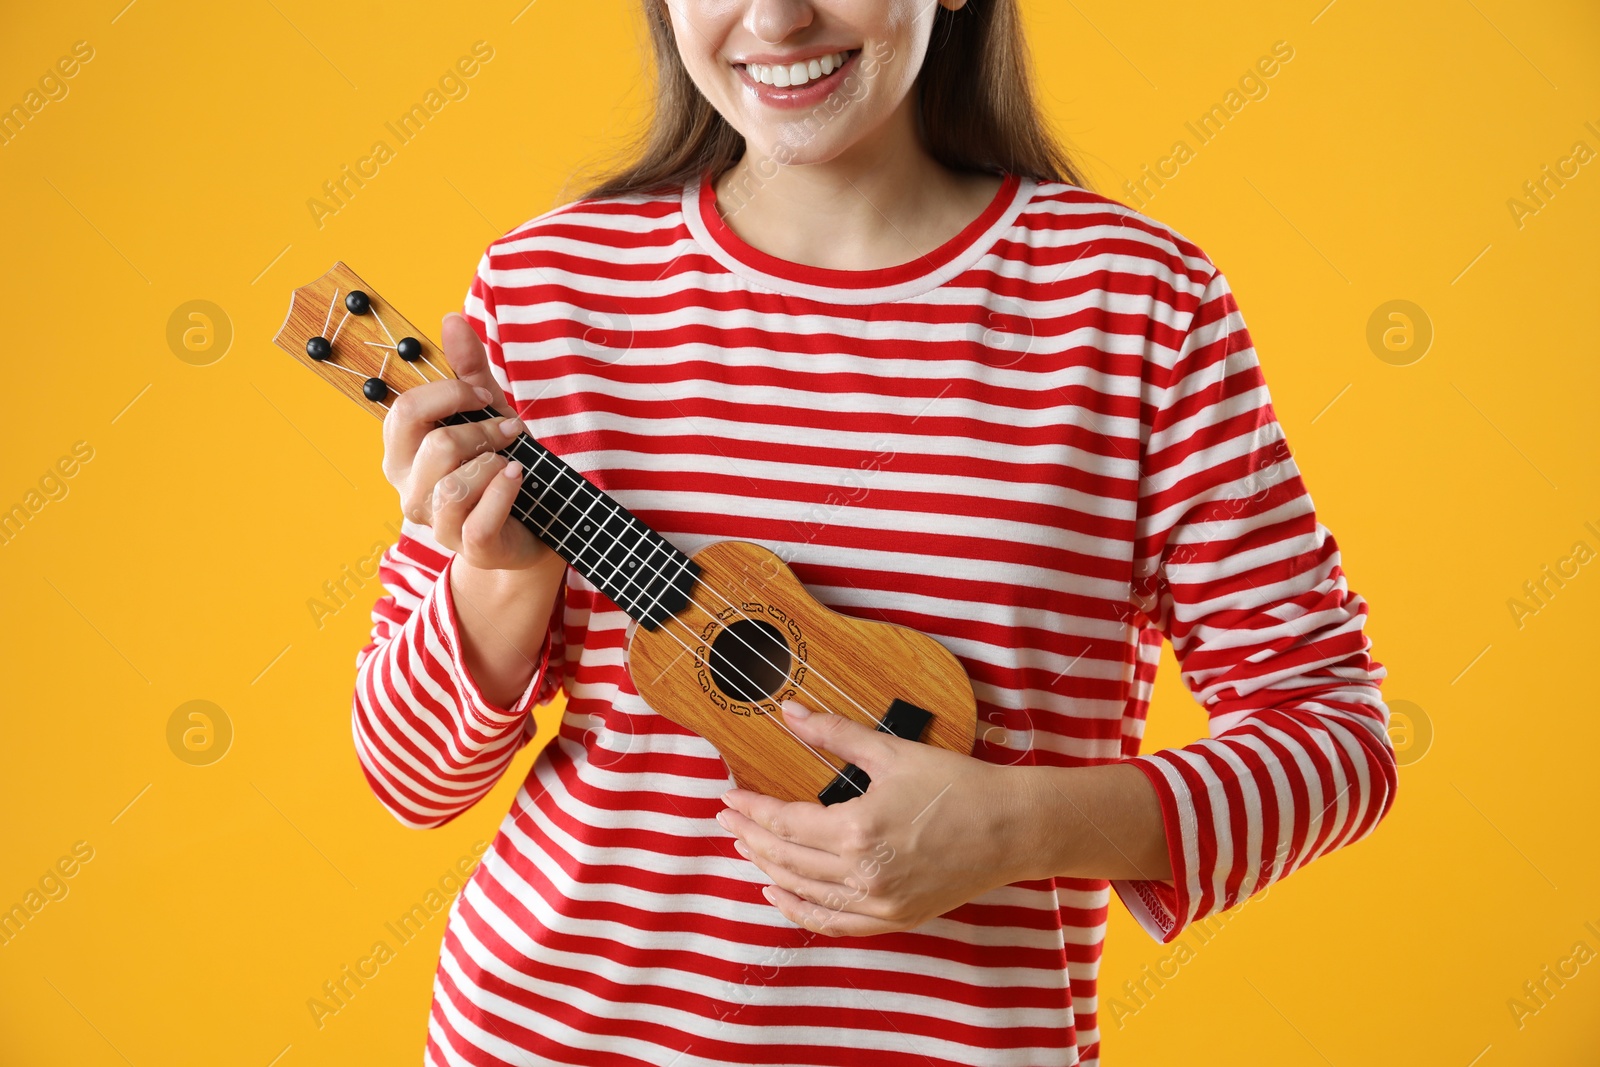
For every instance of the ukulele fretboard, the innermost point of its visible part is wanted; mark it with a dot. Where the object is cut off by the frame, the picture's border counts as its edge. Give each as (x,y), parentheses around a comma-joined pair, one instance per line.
(636,567)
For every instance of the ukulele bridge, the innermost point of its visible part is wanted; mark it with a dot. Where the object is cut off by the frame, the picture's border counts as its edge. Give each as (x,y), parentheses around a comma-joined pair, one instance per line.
(903,719)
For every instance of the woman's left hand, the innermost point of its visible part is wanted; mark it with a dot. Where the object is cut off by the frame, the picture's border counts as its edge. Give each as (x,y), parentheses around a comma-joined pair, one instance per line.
(934,830)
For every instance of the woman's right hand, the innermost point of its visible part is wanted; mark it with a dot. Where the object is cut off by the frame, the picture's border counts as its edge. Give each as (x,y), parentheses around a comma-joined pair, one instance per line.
(450,477)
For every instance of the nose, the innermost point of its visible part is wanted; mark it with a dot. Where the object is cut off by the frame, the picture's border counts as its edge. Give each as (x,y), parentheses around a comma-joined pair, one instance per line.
(772,21)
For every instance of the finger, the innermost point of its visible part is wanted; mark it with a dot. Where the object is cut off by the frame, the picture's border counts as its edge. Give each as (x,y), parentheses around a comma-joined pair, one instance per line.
(447,449)
(464,351)
(829,895)
(803,823)
(483,532)
(821,920)
(416,413)
(457,493)
(871,750)
(766,849)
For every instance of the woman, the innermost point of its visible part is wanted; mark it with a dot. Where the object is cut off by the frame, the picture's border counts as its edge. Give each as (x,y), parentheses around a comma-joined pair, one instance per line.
(851,302)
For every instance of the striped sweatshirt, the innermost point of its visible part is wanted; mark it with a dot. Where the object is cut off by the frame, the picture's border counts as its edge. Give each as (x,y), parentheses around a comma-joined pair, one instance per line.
(1048,445)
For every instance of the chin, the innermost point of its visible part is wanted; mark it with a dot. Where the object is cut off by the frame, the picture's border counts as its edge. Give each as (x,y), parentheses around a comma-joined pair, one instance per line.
(803,148)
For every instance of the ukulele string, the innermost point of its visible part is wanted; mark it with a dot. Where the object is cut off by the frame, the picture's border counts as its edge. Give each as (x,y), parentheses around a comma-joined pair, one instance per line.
(395,345)
(650,567)
(567,471)
(396,349)
(344,319)
(561,541)
(348,370)
(658,572)
(329,316)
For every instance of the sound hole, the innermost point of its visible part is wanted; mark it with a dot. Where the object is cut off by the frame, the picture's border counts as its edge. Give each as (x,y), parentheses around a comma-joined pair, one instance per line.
(750,660)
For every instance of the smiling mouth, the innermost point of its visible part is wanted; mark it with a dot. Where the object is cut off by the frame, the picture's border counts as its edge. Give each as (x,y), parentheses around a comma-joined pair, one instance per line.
(795,75)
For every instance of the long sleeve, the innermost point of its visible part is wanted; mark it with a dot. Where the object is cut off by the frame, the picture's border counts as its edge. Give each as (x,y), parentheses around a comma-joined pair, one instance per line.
(429,743)
(1235,570)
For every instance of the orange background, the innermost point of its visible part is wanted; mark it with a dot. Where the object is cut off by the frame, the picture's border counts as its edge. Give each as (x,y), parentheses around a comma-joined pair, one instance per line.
(225,485)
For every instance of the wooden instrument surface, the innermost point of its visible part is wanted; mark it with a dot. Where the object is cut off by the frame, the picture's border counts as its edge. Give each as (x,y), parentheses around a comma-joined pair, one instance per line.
(838,663)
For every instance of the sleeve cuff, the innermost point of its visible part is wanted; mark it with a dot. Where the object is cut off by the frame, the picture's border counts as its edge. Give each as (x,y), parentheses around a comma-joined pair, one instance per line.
(446,621)
(1160,908)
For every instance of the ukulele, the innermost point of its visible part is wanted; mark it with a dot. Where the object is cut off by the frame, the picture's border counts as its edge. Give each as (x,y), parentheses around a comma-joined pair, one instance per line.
(721,637)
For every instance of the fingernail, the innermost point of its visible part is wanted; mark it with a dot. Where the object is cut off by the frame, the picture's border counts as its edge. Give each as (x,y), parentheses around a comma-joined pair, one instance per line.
(483,394)
(738,846)
(722,819)
(511,427)
(767,892)
(796,710)
(513,469)
(727,798)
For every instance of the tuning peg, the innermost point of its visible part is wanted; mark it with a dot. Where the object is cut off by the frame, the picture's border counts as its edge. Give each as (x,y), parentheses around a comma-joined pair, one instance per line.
(319,349)
(374,390)
(409,349)
(357,302)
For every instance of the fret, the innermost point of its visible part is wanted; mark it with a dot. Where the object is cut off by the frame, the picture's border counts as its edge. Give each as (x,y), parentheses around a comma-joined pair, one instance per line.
(660,590)
(637,568)
(570,514)
(542,470)
(617,560)
(589,529)
(530,509)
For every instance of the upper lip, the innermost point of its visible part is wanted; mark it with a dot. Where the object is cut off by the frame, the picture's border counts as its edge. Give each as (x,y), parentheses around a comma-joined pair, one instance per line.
(774,59)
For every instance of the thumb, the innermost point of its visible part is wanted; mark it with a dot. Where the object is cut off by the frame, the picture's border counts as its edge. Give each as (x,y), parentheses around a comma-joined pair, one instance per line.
(464,351)
(871,750)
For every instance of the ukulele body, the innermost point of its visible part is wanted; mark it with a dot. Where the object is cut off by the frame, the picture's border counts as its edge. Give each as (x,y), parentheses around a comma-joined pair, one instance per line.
(752,636)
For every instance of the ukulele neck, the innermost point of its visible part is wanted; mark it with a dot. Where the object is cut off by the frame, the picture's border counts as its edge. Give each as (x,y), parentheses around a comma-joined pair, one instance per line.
(636,567)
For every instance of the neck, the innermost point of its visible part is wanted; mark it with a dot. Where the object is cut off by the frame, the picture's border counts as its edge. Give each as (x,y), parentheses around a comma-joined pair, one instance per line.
(883,202)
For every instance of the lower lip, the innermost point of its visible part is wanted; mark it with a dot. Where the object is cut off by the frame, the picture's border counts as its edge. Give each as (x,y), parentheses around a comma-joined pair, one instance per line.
(808,95)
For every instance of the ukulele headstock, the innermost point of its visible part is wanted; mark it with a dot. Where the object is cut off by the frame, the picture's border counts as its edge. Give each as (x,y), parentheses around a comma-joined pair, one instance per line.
(356,340)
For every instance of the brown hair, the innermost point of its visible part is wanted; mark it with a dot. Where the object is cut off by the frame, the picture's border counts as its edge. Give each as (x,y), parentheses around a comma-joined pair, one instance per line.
(975,94)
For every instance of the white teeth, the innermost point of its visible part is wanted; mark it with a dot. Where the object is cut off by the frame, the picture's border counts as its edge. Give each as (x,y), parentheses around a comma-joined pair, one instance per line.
(797,74)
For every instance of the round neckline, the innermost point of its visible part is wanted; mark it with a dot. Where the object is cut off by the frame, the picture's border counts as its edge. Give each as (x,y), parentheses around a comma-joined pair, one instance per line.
(855,286)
